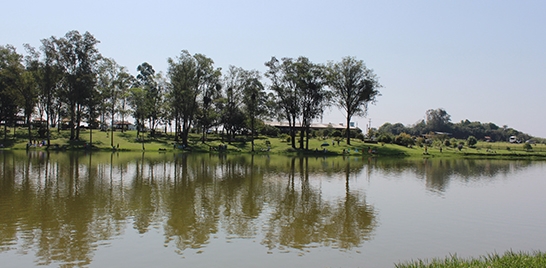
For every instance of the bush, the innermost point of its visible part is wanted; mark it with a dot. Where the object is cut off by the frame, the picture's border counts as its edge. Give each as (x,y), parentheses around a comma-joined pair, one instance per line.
(360,136)
(420,141)
(336,134)
(353,132)
(404,139)
(385,138)
(270,131)
(447,143)
(453,142)
(471,141)
(527,147)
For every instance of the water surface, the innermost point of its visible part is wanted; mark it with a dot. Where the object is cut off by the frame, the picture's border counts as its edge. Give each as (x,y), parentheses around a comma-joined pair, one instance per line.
(172,210)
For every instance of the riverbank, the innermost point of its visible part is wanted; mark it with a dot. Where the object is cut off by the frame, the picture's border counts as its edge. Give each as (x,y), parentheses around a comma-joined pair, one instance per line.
(128,141)
(508,259)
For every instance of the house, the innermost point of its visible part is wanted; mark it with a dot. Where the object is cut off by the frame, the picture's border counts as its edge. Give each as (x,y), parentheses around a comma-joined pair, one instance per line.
(284,127)
(124,125)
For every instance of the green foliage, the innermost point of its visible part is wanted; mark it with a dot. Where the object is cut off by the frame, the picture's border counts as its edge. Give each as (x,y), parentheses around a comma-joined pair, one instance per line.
(404,139)
(471,141)
(385,138)
(420,141)
(527,147)
(453,142)
(509,259)
(336,133)
(360,136)
(270,131)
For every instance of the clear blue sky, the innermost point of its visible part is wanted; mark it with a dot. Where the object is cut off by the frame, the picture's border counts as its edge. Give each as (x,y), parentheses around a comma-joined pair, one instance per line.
(479,60)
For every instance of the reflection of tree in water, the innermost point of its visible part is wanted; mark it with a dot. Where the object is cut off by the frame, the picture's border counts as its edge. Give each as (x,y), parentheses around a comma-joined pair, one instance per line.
(241,190)
(192,205)
(62,205)
(144,196)
(53,208)
(439,172)
(301,218)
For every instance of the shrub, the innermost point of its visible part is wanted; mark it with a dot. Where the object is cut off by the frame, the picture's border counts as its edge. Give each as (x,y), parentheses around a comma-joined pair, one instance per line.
(270,131)
(336,133)
(360,136)
(404,139)
(385,138)
(420,141)
(471,141)
(447,143)
(454,142)
(527,147)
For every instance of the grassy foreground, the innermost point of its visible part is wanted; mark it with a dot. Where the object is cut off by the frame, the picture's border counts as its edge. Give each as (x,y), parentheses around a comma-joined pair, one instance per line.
(509,259)
(128,141)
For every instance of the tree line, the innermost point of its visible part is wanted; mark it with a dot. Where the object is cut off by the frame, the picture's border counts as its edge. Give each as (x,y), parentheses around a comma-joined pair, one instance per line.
(438,122)
(68,79)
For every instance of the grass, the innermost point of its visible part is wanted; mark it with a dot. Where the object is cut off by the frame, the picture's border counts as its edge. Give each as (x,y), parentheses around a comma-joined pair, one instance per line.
(127,141)
(508,259)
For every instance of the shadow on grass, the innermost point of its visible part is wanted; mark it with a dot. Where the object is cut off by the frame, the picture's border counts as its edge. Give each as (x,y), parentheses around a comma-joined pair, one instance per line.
(7,143)
(385,151)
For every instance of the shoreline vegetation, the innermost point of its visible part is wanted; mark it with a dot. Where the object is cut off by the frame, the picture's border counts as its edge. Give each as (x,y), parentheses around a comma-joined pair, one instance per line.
(536,259)
(216,143)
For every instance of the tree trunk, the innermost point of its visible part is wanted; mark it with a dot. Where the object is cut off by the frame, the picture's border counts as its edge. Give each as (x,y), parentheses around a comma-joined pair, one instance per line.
(252,132)
(307,138)
(302,136)
(292,124)
(348,131)
(29,127)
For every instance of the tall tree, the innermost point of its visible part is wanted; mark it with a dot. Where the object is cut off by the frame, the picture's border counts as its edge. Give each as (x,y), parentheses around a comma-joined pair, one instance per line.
(354,86)
(11,69)
(191,76)
(51,80)
(233,118)
(438,120)
(182,74)
(29,88)
(147,80)
(78,57)
(209,87)
(310,80)
(254,100)
(113,83)
(138,102)
(286,92)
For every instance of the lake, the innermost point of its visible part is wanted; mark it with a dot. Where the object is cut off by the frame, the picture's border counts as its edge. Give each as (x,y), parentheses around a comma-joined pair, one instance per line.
(76,209)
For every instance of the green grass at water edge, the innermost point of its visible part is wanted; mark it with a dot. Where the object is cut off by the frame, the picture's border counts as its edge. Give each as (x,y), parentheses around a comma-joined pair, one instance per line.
(127,141)
(509,259)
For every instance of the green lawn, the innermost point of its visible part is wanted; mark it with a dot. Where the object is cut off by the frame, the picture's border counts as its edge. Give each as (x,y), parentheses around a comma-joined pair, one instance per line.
(127,141)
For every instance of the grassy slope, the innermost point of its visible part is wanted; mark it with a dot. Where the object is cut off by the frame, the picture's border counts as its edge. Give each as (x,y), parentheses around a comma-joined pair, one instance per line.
(128,142)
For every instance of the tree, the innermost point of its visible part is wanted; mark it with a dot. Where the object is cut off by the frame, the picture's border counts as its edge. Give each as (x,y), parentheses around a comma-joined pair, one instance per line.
(354,87)
(310,80)
(11,70)
(52,78)
(146,80)
(254,99)
(283,84)
(471,141)
(77,58)
(182,74)
(232,116)
(191,76)
(29,89)
(438,120)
